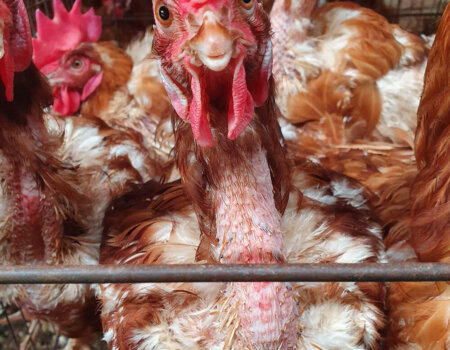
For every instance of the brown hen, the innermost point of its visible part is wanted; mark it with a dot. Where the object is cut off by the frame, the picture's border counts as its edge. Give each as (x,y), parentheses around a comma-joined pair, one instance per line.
(56,185)
(420,312)
(100,80)
(240,202)
(346,61)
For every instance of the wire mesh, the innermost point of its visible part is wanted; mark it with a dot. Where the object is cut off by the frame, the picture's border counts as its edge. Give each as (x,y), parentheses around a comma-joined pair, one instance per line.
(16,332)
(419,16)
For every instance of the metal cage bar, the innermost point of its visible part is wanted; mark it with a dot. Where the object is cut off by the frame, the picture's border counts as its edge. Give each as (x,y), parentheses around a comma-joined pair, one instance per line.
(369,272)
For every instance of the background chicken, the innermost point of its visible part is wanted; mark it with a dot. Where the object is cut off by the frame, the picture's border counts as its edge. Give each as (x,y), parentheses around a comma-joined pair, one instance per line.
(419,316)
(32,217)
(349,85)
(97,79)
(58,178)
(345,65)
(236,204)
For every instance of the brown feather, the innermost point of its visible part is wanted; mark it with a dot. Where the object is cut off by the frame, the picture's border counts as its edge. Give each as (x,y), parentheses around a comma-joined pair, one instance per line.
(420,311)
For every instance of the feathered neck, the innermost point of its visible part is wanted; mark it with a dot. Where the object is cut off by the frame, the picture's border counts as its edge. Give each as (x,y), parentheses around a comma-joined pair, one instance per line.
(198,165)
(239,191)
(33,177)
(292,9)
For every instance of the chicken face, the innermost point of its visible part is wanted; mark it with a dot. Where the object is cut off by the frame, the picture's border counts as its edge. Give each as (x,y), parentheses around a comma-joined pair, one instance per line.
(59,52)
(15,43)
(218,46)
(76,78)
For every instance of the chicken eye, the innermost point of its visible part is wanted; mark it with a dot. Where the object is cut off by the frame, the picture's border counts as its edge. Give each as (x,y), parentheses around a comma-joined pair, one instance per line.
(163,15)
(247,4)
(77,64)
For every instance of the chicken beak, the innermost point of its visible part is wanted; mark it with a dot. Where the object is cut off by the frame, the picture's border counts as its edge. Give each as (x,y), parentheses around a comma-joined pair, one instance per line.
(57,77)
(213,43)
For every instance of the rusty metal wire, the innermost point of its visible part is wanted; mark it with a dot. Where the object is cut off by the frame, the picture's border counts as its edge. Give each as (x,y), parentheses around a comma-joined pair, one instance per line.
(418,16)
(16,332)
(226,273)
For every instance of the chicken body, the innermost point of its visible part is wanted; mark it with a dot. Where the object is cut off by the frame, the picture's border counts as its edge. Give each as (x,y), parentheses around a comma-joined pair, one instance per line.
(131,99)
(419,312)
(241,201)
(345,62)
(327,222)
(54,214)
(55,188)
(35,210)
(349,84)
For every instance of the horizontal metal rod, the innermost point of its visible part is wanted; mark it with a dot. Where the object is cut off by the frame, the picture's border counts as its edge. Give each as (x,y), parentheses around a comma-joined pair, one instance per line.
(225,273)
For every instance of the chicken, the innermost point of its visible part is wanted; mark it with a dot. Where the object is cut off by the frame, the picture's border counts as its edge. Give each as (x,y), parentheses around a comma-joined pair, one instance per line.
(92,78)
(55,185)
(32,218)
(240,201)
(349,85)
(419,316)
(345,62)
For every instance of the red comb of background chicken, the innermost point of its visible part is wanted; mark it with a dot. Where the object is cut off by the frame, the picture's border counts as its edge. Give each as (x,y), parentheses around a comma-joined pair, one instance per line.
(63,33)
(15,43)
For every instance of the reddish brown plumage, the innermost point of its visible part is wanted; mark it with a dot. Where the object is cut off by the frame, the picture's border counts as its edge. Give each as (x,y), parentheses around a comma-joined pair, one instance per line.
(36,191)
(420,311)
(113,103)
(100,80)
(198,176)
(348,62)
(59,174)
(353,111)
(116,73)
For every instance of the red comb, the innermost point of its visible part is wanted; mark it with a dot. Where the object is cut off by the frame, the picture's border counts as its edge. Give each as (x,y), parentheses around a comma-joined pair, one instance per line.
(192,6)
(63,33)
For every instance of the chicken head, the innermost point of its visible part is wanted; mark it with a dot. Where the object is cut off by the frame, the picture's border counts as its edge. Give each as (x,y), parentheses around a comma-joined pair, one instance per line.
(76,78)
(60,53)
(219,46)
(15,43)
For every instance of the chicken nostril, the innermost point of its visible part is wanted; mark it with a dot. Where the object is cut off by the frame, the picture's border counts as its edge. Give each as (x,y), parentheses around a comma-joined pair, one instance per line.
(192,22)
(213,42)
(225,14)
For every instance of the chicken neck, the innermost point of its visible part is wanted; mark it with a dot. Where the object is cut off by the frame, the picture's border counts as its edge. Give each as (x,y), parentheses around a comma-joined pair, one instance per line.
(285,12)
(238,190)
(30,210)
